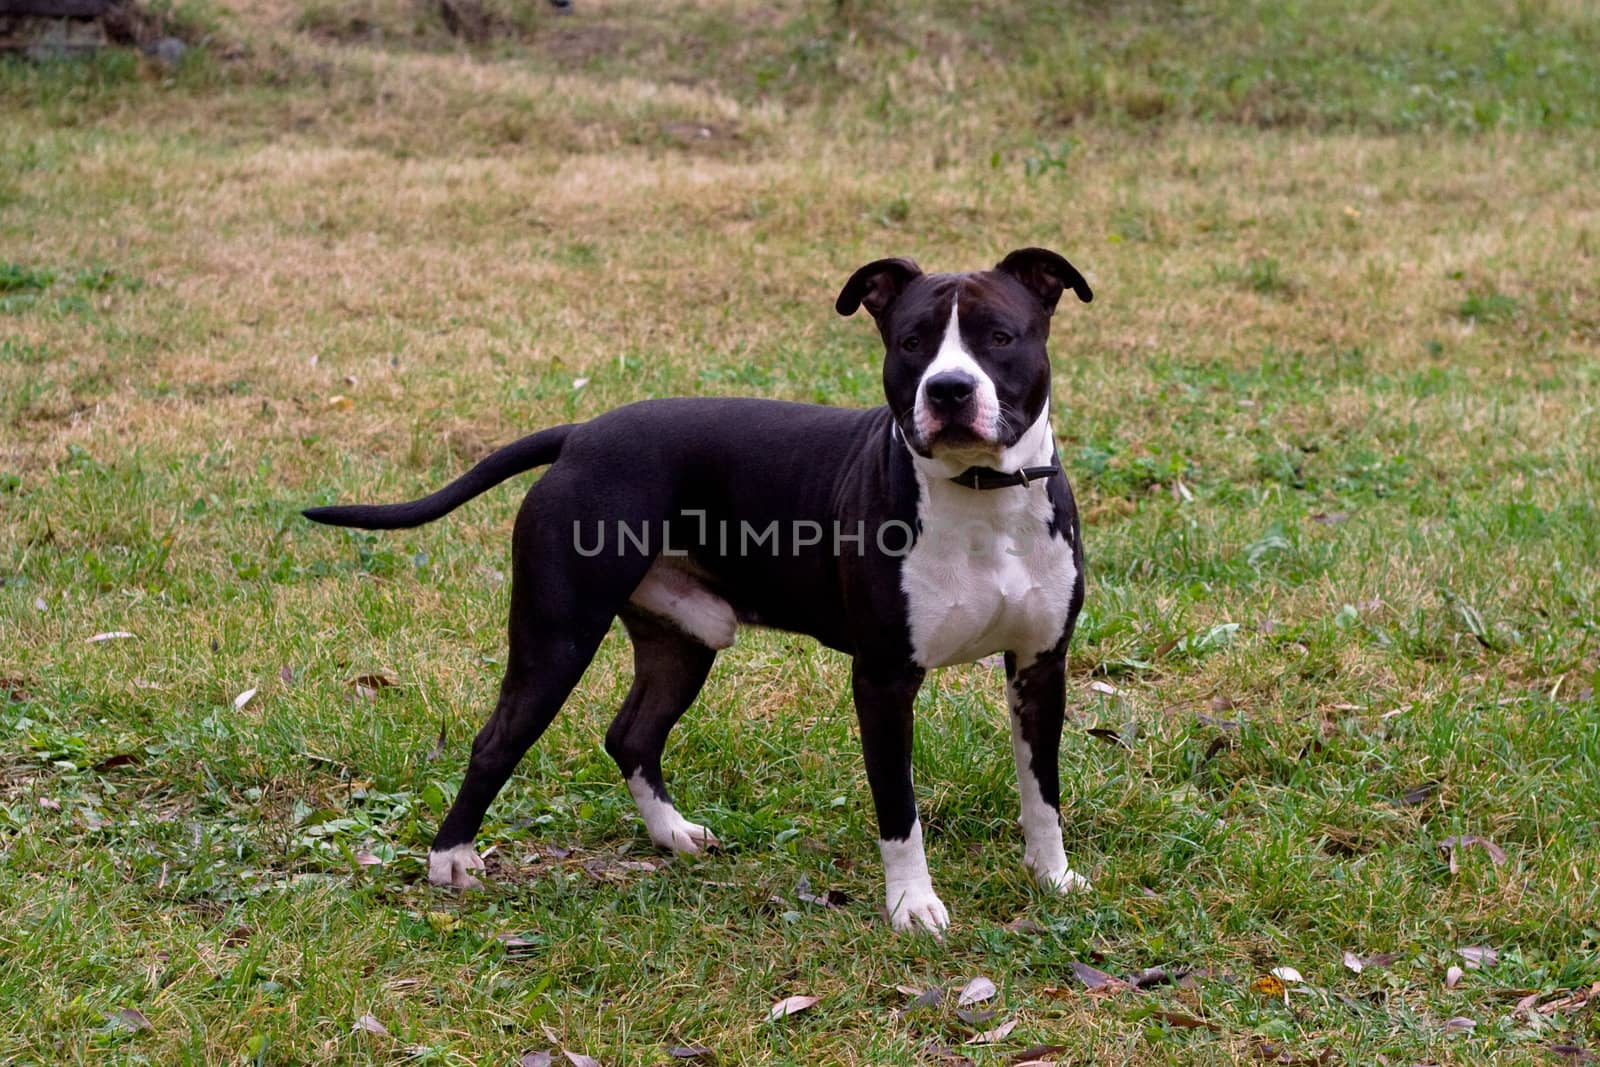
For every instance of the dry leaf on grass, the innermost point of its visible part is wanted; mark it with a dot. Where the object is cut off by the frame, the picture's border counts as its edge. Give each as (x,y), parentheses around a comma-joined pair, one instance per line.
(243,698)
(578,1059)
(1478,957)
(927,998)
(1368,963)
(286,675)
(1461,1022)
(1105,688)
(1270,985)
(691,1052)
(370,1025)
(438,745)
(121,759)
(832,898)
(132,1018)
(1453,846)
(364,858)
(791,1006)
(1452,976)
(1182,1020)
(1096,980)
(1108,735)
(536,1059)
(976,991)
(998,1034)
(110,635)
(1035,1055)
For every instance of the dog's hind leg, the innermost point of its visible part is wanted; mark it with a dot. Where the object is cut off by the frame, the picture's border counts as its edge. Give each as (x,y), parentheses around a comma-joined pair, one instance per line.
(669,668)
(561,607)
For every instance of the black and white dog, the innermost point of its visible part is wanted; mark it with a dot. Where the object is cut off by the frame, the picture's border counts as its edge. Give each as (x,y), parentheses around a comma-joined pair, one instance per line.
(938,529)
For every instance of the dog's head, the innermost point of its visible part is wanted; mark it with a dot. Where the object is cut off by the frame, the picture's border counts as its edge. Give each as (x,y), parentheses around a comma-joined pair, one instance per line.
(965,368)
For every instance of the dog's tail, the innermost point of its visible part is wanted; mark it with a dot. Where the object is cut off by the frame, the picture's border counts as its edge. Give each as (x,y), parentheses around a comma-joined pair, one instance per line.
(532,451)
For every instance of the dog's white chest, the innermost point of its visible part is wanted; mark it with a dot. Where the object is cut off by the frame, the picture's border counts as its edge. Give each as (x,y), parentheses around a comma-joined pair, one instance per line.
(986,575)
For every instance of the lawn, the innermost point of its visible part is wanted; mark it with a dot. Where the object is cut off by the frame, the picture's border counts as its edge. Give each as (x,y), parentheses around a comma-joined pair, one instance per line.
(1333,420)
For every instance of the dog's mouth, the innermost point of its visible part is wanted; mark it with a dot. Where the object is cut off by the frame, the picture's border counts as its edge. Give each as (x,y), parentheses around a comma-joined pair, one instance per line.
(937,439)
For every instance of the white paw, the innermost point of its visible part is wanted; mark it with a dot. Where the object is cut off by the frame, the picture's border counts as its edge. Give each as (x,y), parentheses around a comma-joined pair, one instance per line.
(453,866)
(684,837)
(1058,878)
(917,906)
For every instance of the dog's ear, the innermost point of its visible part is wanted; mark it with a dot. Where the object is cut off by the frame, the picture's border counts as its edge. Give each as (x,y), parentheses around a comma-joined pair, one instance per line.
(876,286)
(1045,274)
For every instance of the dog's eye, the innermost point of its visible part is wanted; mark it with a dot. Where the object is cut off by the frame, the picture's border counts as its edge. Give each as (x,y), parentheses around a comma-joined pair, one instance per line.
(911,344)
(1000,339)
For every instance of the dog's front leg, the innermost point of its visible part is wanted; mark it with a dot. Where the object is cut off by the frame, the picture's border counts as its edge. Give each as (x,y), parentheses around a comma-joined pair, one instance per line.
(1037,694)
(884,698)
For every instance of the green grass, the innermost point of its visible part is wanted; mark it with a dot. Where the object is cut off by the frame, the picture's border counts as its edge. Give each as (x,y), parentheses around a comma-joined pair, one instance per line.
(1330,419)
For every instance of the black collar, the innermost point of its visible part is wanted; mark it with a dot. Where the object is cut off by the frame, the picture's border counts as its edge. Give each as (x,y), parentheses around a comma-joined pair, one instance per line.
(989,478)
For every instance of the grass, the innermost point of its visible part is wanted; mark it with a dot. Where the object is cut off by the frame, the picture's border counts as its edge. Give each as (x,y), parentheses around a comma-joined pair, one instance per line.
(1330,419)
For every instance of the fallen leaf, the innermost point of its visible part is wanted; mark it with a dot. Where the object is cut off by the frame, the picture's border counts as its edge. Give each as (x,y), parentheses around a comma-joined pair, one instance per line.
(50,803)
(1105,688)
(110,635)
(132,1018)
(1576,1053)
(239,935)
(691,1052)
(1329,518)
(286,675)
(366,859)
(1452,976)
(1270,985)
(39,604)
(1179,1019)
(833,898)
(927,998)
(340,403)
(791,1006)
(1450,846)
(939,1052)
(1354,962)
(442,921)
(579,383)
(242,699)
(990,1037)
(1477,956)
(438,745)
(515,943)
(976,1016)
(976,991)
(536,1059)
(370,1025)
(1461,1022)
(1151,977)
(1034,1054)
(578,1059)
(1418,794)
(15,689)
(1023,925)
(121,759)
(1108,735)
(1286,974)
(1095,980)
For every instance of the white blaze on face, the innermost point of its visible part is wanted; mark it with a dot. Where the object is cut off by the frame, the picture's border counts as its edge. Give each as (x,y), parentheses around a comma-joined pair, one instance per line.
(953,356)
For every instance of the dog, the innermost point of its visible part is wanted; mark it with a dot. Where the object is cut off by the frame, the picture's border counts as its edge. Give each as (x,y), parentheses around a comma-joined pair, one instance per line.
(934,530)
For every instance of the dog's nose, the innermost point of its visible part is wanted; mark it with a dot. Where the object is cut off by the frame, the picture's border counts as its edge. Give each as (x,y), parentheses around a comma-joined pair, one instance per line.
(948,391)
